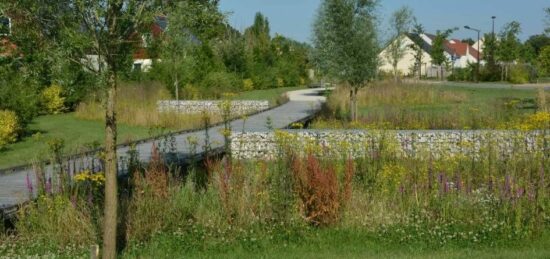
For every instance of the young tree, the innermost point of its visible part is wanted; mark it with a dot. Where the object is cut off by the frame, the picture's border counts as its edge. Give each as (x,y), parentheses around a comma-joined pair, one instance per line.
(509,46)
(108,30)
(418,49)
(438,50)
(111,28)
(544,61)
(547,11)
(400,22)
(490,46)
(346,44)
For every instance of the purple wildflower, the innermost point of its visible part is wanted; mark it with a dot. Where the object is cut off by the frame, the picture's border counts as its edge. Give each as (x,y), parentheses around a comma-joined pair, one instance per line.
(520,192)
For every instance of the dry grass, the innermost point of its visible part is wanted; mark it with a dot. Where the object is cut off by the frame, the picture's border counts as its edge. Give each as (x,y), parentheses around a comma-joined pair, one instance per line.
(387,93)
(137,106)
(386,105)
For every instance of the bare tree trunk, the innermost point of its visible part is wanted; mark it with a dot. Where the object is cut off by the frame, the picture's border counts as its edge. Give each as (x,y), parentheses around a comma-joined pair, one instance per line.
(111,196)
(353,103)
(176,89)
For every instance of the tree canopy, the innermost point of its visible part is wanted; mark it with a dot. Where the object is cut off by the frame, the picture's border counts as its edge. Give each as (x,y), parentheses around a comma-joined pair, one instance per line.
(346,43)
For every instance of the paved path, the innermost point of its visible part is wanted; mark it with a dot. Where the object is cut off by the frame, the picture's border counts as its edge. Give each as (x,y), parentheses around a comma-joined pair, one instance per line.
(303,104)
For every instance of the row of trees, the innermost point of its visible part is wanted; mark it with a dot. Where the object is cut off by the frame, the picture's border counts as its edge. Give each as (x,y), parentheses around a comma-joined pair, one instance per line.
(216,58)
(507,58)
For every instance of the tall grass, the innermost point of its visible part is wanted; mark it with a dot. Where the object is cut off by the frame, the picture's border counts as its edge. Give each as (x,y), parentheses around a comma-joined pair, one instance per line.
(137,106)
(475,200)
(386,105)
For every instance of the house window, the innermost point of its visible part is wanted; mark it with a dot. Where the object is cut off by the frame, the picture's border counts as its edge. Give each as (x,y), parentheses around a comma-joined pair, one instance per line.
(137,67)
(5,25)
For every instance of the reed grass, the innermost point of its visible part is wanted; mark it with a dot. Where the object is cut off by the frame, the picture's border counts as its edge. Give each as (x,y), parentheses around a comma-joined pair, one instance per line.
(137,106)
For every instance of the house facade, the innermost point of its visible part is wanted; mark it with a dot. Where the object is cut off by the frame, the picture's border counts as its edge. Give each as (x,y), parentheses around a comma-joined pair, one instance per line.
(459,55)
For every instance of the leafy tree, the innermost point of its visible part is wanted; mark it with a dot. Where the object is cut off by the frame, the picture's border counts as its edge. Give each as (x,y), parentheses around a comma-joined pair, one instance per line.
(36,62)
(544,61)
(112,36)
(177,46)
(490,45)
(468,41)
(400,21)
(418,49)
(509,46)
(533,47)
(438,49)
(233,53)
(346,43)
(108,29)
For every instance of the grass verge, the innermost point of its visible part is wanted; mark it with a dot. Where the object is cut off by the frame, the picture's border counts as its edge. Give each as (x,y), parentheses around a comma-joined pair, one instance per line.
(76,134)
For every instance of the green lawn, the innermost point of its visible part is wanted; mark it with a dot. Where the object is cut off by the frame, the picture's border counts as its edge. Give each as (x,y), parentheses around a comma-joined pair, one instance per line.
(78,133)
(269,94)
(333,243)
(75,132)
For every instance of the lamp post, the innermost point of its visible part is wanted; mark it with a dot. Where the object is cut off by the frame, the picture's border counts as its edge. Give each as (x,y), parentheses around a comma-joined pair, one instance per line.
(478,50)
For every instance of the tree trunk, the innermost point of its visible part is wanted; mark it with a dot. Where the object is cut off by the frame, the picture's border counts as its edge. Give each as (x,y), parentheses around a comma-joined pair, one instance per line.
(176,89)
(442,73)
(111,197)
(353,103)
(395,74)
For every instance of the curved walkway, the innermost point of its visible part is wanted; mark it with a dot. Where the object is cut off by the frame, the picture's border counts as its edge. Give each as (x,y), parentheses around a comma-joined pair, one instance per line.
(14,185)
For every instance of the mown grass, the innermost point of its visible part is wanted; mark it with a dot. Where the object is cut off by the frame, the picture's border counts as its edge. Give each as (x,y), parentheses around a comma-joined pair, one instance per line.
(76,133)
(419,106)
(330,243)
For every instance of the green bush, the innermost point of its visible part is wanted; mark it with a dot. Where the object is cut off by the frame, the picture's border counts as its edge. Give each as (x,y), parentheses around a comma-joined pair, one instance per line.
(21,98)
(217,83)
(519,75)
(52,100)
(9,127)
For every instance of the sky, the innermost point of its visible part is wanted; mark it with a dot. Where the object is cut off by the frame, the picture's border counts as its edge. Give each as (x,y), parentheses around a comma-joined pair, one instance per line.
(294,18)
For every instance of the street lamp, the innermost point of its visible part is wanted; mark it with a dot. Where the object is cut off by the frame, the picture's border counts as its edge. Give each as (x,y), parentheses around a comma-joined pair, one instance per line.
(478,50)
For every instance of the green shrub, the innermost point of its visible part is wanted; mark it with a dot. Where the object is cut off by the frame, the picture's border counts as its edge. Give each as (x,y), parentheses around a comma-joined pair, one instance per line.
(217,83)
(248,84)
(519,75)
(9,127)
(19,97)
(52,100)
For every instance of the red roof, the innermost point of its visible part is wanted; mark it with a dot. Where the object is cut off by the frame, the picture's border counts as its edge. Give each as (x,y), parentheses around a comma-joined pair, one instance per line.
(460,49)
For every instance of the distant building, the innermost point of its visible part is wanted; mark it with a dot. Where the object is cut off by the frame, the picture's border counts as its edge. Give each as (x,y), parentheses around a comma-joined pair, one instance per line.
(458,54)
(481,45)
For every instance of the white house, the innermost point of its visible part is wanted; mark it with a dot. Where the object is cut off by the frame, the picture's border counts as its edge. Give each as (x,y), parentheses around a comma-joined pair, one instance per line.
(458,54)
(406,64)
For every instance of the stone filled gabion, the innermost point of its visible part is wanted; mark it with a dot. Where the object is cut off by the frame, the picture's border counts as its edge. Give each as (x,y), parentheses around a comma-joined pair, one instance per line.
(418,144)
(198,107)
